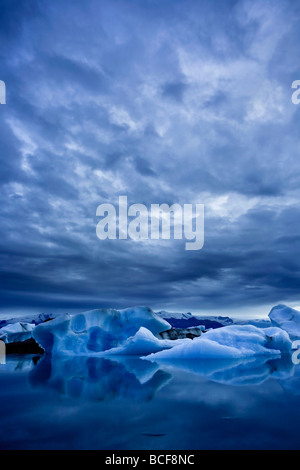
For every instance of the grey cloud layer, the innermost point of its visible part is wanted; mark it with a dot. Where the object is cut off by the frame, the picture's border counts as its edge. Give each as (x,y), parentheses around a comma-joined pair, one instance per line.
(163,101)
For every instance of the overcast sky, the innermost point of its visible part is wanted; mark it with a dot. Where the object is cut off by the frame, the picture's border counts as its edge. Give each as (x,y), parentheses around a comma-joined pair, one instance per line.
(165,102)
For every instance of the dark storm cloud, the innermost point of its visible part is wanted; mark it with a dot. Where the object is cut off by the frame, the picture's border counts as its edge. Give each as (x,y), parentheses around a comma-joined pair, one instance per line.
(143,167)
(174,90)
(165,102)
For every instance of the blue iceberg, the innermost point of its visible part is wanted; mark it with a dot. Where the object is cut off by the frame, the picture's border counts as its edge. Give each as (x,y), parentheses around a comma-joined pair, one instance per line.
(95,331)
(286,318)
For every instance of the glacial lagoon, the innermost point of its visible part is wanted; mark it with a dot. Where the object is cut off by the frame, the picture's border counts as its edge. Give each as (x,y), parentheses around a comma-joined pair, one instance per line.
(128,403)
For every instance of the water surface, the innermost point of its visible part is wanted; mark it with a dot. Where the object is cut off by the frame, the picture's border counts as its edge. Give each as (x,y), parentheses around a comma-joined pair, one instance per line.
(130,403)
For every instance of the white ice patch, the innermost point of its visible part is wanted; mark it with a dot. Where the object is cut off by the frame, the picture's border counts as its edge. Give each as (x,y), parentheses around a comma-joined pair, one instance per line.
(231,342)
(144,343)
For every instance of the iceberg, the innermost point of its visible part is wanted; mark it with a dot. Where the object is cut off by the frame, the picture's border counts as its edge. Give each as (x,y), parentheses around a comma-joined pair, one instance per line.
(231,342)
(96,331)
(16,332)
(139,331)
(286,318)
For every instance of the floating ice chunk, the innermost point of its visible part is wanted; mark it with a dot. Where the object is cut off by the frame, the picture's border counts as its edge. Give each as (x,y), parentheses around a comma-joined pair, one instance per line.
(96,330)
(16,332)
(231,342)
(286,318)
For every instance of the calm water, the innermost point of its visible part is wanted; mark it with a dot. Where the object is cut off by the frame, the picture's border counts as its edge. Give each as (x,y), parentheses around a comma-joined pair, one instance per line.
(129,403)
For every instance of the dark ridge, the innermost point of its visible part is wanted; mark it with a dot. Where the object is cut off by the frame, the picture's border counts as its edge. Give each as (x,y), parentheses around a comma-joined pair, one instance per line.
(29,346)
(179,333)
(188,322)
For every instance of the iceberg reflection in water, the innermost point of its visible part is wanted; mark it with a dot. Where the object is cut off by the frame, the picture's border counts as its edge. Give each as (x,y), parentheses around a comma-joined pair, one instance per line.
(131,403)
(99,379)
